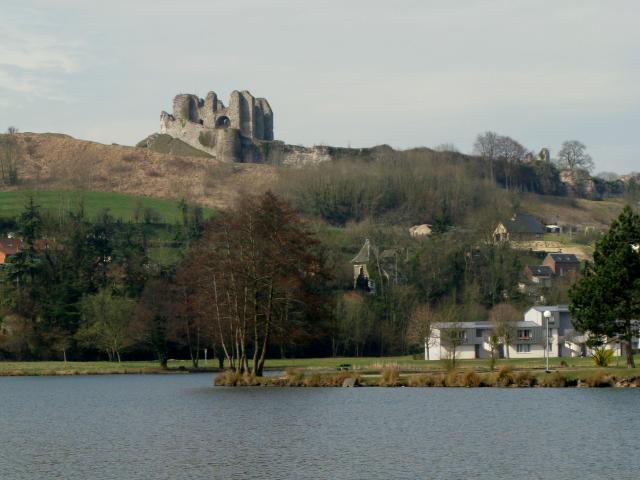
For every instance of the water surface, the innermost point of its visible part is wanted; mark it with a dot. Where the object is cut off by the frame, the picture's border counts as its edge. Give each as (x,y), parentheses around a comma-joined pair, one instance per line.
(180,426)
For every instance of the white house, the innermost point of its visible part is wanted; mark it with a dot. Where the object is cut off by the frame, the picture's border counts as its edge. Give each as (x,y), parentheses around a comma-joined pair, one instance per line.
(471,340)
(527,337)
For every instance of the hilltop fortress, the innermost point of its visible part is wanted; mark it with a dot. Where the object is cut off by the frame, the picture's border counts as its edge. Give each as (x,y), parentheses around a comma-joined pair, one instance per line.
(234,133)
(239,132)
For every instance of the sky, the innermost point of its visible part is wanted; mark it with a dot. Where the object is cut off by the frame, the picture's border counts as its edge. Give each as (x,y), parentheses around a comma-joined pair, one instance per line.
(336,72)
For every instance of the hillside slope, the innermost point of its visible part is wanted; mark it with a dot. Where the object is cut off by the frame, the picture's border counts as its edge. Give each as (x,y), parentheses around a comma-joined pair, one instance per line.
(56,161)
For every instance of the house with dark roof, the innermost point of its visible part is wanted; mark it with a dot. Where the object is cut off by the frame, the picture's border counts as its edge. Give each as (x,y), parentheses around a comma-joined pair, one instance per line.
(361,278)
(562,264)
(538,274)
(384,262)
(521,227)
(9,246)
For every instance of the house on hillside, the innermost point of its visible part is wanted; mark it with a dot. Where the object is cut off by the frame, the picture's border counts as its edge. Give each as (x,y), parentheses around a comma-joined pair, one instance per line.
(522,227)
(361,279)
(423,230)
(385,263)
(9,245)
(562,264)
(539,275)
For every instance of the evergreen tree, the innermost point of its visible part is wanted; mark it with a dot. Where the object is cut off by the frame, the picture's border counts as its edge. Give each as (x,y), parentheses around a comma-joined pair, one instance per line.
(607,297)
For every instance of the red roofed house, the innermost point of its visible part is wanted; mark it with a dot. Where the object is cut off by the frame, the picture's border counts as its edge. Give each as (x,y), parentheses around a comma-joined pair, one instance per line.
(562,264)
(9,246)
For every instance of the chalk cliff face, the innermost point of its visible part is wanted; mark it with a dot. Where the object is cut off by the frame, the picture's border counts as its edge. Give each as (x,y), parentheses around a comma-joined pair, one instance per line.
(233,133)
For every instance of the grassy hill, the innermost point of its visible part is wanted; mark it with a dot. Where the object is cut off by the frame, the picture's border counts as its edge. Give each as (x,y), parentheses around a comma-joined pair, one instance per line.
(121,206)
(60,162)
(390,187)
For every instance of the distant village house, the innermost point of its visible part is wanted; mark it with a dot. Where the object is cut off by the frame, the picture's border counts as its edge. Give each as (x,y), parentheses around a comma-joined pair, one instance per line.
(562,264)
(522,227)
(540,275)
(9,245)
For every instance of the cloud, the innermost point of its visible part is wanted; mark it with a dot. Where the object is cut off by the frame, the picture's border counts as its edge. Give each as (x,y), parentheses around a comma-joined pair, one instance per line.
(360,72)
(34,60)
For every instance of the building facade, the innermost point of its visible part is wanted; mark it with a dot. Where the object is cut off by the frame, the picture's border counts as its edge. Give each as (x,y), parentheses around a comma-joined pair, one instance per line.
(526,339)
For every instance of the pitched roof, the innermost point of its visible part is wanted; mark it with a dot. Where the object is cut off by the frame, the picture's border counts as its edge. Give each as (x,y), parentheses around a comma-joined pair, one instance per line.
(564,258)
(551,308)
(524,223)
(364,254)
(488,325)
(540,270)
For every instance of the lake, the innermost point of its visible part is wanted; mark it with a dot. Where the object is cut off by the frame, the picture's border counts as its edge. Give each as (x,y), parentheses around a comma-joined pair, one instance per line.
(180,426)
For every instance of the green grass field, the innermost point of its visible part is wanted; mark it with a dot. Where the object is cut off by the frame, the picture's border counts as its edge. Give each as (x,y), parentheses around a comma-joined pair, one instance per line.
(121,206)
(577,367)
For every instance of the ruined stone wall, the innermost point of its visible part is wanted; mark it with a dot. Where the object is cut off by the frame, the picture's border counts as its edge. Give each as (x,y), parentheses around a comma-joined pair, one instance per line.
(221,131)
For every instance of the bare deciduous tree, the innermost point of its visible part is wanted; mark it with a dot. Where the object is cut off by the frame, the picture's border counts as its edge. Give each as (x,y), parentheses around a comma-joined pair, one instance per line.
(250,270)
(420,327)
(503,317)
(573,156)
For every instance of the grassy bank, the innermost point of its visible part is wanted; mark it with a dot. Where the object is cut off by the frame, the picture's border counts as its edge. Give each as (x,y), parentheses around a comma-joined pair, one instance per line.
(408,363)
(95,368)
(406,366)
(121,206)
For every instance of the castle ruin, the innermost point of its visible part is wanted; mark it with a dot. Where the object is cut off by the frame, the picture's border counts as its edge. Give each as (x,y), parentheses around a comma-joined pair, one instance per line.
(239,132)
(234,133)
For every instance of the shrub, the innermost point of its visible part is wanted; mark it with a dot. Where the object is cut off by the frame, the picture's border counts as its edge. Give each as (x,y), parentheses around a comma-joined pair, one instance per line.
(555,379)
(389,376)
(599,379)
(503,377)
(471,379)
(229,378)
(426,380)
(523,379)
(451,379)
(295,377)
(602,357)
(314,380)
(421,380)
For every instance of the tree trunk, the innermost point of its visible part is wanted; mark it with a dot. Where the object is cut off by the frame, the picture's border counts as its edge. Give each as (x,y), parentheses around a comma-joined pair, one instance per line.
(629,353)
(162,356)
(259,366)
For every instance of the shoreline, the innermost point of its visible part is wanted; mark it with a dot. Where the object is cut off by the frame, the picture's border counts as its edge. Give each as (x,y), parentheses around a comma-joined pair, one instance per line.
(33,369)
(393,378)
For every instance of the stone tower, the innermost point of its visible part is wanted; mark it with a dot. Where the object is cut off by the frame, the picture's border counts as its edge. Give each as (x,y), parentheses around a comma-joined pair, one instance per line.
(229,133)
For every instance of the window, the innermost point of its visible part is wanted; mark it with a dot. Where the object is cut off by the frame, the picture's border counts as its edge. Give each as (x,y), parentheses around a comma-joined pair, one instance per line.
(524,334)
(523,348)
(479,332)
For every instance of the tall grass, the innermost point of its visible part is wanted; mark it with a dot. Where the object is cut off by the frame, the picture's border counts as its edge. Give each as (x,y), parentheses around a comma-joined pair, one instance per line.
(390,376)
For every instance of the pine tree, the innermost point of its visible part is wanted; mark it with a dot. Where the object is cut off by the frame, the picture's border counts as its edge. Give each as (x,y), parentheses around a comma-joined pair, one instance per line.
(606,300)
